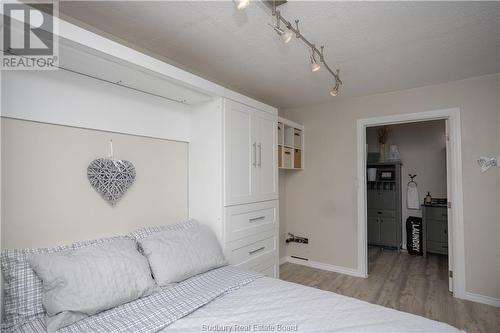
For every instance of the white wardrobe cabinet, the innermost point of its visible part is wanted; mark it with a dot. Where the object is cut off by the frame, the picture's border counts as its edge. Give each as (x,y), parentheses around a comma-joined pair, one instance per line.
(250,158)
(233,181)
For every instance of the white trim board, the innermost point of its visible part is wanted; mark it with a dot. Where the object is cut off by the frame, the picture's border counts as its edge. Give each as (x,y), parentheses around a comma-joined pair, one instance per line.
(482,299)
(320,265)
(458,247)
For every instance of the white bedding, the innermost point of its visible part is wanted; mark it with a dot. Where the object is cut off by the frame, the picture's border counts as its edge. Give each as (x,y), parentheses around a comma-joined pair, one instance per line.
(298,308)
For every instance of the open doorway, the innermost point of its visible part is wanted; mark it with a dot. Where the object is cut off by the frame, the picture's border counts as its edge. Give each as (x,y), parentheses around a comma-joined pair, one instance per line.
(406,193)
(454,194)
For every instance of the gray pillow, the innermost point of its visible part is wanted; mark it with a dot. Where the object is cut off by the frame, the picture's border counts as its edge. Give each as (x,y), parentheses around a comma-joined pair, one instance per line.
(148,231)
(23,288)
(83,282)
(175,255)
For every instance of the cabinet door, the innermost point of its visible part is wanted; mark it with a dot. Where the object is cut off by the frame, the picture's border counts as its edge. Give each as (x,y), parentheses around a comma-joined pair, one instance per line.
(267,177)
(373,230)
(437,230)
(240,151)
(388,232)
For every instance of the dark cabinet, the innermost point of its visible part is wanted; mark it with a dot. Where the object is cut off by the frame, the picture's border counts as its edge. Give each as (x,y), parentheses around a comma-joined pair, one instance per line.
(435,222)
(384,206)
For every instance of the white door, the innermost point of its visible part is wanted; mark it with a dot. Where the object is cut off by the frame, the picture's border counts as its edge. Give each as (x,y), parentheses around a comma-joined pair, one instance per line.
(240,153)
(267,178)
(450,217)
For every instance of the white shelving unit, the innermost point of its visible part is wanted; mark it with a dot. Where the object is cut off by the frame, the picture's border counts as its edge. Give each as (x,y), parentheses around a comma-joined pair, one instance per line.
(290,145)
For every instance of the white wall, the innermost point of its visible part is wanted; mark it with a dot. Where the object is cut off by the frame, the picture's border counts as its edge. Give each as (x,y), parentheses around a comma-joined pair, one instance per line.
(322,198)
(422,147)
(46,197)
(61,97)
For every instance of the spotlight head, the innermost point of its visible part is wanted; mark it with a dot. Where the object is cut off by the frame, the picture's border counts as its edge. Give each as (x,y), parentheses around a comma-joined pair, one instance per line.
(286,36)
(335,90)
(241,4)
(314,64)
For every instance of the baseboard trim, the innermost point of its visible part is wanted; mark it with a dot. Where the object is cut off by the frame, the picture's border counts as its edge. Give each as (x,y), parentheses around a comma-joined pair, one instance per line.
(323,266)
(482,299)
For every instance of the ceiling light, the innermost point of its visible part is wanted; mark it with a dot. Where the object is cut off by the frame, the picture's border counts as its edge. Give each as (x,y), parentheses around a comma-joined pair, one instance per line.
(241,4)
(285,36)
(335,90)
(314,64)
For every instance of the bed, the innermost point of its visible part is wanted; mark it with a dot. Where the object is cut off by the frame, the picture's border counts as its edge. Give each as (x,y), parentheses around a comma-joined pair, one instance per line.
(182,285)
(228,299)
(268,304)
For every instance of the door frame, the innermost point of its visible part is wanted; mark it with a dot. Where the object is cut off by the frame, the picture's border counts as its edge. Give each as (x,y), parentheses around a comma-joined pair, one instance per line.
(454,168)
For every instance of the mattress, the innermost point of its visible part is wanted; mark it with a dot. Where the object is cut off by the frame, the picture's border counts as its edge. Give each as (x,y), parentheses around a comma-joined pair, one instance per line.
(228,299)
(273,305)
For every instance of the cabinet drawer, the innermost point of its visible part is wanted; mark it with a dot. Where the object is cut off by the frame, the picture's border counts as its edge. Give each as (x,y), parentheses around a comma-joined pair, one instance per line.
(252,251)
(266,265)
(437,247)
(436,213)
(382,213)
(244,220)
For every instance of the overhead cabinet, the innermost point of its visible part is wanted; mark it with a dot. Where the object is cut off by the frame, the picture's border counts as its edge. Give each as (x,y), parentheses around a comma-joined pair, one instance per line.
(250,157)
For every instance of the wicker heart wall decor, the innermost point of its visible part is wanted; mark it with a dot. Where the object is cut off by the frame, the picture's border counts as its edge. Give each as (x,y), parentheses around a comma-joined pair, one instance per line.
(110,177)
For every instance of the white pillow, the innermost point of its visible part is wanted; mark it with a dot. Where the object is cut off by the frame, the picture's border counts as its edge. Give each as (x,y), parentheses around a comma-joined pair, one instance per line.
(175,255)
(80,283)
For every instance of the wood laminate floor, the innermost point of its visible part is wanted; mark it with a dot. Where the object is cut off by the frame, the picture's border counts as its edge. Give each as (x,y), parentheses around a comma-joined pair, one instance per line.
(406,283)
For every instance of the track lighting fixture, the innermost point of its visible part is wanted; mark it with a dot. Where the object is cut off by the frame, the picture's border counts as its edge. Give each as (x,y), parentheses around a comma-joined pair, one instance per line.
(286,35)
(241,4)
(314,64)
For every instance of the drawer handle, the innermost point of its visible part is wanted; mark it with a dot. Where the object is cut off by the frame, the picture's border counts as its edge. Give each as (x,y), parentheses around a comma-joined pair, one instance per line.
(254,219)
(256,250)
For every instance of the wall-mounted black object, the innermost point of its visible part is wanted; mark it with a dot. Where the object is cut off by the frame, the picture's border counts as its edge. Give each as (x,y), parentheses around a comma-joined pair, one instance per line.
(414,239)
(297,239)
(295,257)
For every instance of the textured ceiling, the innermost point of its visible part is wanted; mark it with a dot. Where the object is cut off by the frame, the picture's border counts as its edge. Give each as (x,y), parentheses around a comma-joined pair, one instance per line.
(378,46)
